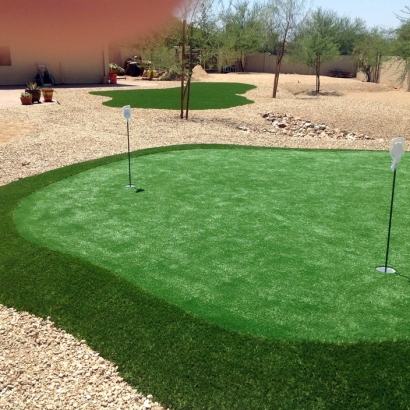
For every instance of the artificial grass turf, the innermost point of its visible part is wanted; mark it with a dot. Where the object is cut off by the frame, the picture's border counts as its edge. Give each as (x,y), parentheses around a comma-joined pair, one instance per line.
(204,96)
(185,362)
(277,243)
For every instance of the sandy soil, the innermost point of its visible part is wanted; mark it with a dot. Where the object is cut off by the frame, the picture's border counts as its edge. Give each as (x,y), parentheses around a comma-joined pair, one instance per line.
(11,130)
(300,86)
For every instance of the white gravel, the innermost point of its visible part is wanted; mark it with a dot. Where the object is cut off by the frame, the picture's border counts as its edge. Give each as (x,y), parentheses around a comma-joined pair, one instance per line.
(43,367)
(80,128)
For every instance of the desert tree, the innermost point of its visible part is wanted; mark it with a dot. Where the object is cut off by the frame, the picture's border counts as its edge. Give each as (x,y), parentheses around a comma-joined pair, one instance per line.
(347,32)
(158,46)
(283,19)
(404,17)
(315,42)
(207,35)
(401,43)
(369,52)
(244,29)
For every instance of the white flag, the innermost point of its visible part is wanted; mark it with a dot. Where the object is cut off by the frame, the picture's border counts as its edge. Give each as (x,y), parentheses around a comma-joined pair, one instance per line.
(396,151)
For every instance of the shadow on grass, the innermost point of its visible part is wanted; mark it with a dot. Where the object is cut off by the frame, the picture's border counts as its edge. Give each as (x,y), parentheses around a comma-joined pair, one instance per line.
(403,276)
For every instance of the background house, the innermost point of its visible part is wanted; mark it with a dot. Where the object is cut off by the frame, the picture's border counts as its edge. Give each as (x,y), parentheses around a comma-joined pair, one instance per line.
(71,37)
(88,66)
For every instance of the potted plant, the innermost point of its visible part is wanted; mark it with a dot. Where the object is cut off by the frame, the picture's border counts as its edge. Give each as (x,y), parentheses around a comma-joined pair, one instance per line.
(113,68)
(26,98)
(34,90)
(47,94)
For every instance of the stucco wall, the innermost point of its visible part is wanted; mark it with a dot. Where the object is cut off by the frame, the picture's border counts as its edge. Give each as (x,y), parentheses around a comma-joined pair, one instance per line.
(266,63)
(89,66)
(390,73)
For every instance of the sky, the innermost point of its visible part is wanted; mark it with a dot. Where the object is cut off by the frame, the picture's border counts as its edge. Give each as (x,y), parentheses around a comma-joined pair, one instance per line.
(373,12)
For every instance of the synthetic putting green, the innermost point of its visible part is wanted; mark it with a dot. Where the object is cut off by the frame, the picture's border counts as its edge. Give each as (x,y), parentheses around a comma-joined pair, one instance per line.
(186,362)
(278,243)
(204,96)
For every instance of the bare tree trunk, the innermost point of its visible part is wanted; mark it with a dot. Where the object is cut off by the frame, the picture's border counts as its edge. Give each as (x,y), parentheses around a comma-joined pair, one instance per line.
(190,71)
(377,68)
(239,63)
(317,73)
(279,56)
(183,68)
(368,74)
(276,80)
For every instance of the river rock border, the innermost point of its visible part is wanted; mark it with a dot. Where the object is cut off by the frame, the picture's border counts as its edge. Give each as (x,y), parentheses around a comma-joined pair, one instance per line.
(297,127)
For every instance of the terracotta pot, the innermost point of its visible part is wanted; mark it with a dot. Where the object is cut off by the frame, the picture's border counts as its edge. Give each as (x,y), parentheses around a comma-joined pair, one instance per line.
(36,94)
(26,100)
(48,95)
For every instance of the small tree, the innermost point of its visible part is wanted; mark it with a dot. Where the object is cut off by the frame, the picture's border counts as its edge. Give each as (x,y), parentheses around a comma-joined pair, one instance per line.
(369,52)
(313,50)
(401,43)
(207,33)
(284,18)
(158,47)
(315,43)
(243,30)
(347,32)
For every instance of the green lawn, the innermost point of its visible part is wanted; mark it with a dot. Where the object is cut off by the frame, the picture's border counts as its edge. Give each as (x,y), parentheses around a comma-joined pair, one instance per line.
(218,227)
(204,96)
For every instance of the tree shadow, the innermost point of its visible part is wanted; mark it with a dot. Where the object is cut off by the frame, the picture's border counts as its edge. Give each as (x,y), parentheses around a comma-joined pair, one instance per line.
(323,93)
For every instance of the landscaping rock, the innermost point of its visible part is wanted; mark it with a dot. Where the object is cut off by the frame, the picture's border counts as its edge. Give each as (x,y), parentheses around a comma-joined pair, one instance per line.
(299,128)
(50,369)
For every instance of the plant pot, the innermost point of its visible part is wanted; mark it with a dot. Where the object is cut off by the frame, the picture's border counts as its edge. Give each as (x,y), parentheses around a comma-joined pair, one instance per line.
(36,95)
(113,71)
(26,100)
(48,95)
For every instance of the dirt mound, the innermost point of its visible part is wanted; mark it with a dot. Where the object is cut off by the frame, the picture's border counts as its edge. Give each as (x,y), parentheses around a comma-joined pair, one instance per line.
(198,73)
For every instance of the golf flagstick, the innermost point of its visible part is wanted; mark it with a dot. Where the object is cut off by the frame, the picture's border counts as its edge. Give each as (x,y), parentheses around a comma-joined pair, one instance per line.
(396,151)
(126,110)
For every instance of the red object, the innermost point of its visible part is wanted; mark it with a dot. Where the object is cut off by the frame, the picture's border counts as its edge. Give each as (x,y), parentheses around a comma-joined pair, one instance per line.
(48,95)
(113,78)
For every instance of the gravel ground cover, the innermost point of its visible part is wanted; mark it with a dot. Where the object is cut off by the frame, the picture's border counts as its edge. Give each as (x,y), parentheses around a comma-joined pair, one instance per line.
(43,367)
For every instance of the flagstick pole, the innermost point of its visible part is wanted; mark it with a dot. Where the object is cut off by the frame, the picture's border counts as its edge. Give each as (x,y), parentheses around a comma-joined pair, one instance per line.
(126,110)
(391,215)
(129,154)
(396,151)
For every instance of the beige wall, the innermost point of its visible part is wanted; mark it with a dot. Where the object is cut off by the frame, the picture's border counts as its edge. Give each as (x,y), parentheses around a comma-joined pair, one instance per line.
(88,66)
(390,74)
(265,63)
(120,54)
